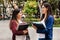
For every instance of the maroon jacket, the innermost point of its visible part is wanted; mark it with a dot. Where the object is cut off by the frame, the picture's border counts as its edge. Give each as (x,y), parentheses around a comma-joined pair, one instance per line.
(13,26)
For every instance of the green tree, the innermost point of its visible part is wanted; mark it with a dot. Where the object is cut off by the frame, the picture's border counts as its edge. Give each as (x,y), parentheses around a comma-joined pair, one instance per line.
(30,7)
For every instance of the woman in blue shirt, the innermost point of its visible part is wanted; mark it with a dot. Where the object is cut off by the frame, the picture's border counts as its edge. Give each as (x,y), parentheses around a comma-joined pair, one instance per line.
(49,21)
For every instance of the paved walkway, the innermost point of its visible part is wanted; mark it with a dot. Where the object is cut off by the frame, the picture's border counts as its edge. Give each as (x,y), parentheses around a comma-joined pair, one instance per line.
(5,33)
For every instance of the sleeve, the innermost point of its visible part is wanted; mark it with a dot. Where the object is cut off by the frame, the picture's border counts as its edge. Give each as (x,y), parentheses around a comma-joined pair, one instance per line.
(13,28)
(50,27)
(51,22)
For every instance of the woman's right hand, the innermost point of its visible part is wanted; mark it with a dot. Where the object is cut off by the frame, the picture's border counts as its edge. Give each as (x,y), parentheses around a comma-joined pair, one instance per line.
(25,31)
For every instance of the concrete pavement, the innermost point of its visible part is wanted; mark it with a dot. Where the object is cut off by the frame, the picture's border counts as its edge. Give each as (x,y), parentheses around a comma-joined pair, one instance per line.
(5,33)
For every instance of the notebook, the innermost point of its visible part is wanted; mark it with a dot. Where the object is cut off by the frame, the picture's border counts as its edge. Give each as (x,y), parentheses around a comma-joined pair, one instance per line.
(23,26)
(39,25)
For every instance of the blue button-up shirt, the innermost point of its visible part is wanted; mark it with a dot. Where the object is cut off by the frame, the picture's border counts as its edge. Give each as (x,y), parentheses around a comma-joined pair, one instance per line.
(49,27)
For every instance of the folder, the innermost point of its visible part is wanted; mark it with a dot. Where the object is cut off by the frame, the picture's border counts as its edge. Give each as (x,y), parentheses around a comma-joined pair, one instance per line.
(23,26)
(38,25)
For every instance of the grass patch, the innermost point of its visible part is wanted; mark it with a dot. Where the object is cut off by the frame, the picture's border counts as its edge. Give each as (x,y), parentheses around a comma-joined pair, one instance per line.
(58,25)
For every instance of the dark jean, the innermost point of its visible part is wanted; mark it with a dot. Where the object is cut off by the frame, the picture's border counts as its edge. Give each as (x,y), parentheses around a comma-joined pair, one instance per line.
(41,39)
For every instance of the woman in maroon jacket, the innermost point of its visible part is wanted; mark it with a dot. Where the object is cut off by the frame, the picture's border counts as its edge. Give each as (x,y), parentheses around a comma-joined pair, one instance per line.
(16,19)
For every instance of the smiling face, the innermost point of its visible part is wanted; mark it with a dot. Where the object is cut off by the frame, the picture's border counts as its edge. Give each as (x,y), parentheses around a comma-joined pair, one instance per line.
(44,9)
(19,15)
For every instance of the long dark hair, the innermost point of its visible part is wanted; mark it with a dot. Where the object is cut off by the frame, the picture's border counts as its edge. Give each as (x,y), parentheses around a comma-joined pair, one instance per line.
(49,11)
(14,14)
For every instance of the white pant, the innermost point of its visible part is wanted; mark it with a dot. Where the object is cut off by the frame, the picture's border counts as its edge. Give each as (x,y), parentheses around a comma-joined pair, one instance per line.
(40,35)
(22,37)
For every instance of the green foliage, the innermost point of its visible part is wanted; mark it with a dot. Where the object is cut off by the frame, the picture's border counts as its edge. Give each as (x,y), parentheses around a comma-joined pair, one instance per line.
(30,7)
(57,22)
